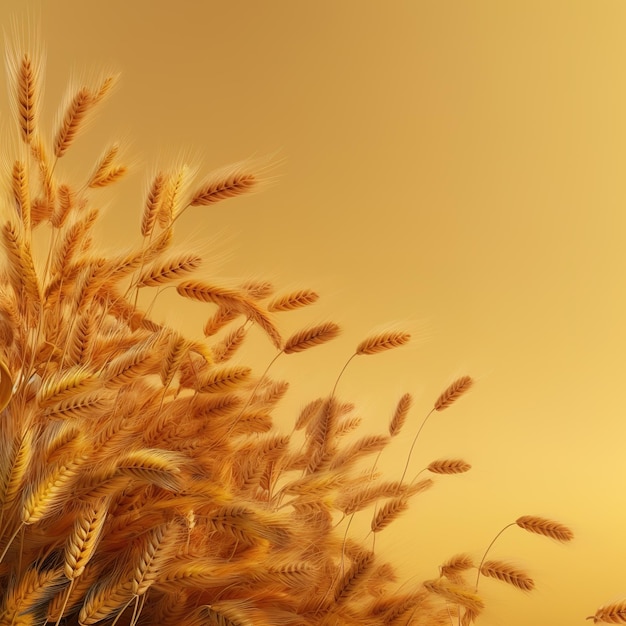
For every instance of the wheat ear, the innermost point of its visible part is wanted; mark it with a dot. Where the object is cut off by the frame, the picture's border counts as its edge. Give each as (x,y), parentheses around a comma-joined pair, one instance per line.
(310,337)
(508,573)
(610,614)
(223,185)
(294,300)
(80,104)
(545,527)
(449,466)
(453,393)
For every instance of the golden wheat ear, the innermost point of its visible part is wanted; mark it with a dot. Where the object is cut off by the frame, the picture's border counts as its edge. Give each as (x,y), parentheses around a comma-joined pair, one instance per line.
(25,61)
(610,614)
(78,104)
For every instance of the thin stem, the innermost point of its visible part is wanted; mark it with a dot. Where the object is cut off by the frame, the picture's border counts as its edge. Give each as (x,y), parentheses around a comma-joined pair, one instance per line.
(332,393)
(406,467)
(487,550)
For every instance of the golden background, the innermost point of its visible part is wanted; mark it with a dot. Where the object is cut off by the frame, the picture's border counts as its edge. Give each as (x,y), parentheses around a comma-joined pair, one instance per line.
(455,168)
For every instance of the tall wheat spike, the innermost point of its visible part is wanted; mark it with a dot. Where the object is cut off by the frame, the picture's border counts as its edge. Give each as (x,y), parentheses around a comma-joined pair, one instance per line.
(142,479)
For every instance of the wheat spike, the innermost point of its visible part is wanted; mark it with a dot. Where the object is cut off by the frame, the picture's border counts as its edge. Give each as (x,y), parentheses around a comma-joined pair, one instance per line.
(224,184)
(453,392)
(508,573)
(153,204)
(310,337)
(382,342)
(610,614)
(227,347)
(449,466)
(47,495)
(81,544)
(169,270)
(388,513)
(400,414)
(224,379)
(25,73)
(293,300)
(455,565)
(105,172)
(456,594)
(78,107)
(545,527)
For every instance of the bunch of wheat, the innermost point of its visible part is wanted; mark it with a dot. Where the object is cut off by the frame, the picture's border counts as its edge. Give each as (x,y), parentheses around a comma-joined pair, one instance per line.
(141,478)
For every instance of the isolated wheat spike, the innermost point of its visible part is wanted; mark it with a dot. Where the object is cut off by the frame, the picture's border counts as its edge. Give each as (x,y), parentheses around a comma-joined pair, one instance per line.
(142,478)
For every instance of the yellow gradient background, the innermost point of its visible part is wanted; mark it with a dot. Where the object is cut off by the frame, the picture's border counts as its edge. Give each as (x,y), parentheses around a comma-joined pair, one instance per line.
(454,168)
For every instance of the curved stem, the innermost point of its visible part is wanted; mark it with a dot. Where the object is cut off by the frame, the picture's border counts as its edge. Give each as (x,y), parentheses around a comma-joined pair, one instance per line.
(343,369)
(406,467)
(245,406)
(487,550)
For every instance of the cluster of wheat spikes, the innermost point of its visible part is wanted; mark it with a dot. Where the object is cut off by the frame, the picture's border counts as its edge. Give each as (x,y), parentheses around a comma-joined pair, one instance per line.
(141,478)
